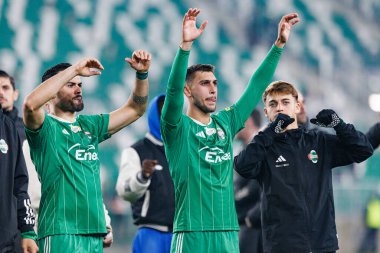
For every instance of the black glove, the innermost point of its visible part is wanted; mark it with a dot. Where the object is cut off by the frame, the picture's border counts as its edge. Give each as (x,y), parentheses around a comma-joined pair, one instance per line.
(280,123)
(327,118)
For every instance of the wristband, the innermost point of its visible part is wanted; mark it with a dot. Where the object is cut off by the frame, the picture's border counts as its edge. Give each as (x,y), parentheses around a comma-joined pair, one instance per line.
(30,235)
(142,76)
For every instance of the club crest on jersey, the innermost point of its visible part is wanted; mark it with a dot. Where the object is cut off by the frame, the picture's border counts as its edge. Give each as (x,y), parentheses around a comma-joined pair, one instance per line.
(221,134)
(3,146)
(228,108)
(88,134)
(313,156)
(210,131)
(75,129)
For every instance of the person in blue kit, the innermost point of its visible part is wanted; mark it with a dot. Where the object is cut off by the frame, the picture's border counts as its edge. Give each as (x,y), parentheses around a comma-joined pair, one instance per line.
(294,168)
(144,180)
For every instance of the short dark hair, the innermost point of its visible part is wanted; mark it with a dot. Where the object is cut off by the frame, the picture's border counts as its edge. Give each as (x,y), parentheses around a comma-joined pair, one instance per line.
(54,70)
(198,68)
(6,75)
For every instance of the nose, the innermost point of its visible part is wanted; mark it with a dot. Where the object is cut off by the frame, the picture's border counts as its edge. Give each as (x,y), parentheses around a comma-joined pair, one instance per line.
(213,89)
(78,90)
(279,107)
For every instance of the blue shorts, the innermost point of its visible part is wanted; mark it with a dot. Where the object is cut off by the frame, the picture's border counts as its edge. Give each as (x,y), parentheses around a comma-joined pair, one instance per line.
(149,240)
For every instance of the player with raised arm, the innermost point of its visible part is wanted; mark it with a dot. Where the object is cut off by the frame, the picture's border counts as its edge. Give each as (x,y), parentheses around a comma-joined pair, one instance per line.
(198,145)
(64,148)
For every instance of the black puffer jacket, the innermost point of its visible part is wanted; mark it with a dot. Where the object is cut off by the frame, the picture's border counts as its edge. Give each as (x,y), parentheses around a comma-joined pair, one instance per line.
(15,209)
(294,169)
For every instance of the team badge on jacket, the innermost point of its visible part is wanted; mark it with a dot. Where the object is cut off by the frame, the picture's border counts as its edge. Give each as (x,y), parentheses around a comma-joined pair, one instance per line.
(313,156)
(3,146)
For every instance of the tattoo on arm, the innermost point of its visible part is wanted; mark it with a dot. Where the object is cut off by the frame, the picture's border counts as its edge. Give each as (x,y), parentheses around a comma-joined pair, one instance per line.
(139,99)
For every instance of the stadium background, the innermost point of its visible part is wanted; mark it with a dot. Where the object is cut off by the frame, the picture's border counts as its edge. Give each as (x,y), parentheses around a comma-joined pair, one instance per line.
(333,57)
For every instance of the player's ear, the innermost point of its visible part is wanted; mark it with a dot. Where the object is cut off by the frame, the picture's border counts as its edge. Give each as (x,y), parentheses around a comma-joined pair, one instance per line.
(187,91)
(297,107)
(266,114)
(15,95)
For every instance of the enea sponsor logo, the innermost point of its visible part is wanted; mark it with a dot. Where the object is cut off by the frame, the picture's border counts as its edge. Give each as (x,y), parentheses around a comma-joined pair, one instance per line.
(88,154)
(214,155)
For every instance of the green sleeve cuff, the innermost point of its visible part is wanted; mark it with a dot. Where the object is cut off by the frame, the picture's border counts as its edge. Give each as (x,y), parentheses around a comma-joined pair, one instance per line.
(278,49)
(30,235)
(184,52)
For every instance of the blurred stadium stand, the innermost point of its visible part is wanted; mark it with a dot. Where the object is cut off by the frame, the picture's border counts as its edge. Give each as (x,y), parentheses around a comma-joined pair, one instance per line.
(333,57)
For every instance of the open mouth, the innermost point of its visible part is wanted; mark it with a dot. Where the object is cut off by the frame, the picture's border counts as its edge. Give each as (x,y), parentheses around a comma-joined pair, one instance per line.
(79,98)
(211,99)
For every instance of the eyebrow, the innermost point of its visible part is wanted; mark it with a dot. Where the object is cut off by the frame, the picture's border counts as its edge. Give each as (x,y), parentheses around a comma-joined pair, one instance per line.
(275,101)
(74,83)
(208,81)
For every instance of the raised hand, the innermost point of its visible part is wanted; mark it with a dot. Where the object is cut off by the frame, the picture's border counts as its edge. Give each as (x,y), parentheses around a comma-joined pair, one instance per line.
(148,167)
(281,123)
(190,32)
(284,28)
(88,67)
(140,61)
(327,118)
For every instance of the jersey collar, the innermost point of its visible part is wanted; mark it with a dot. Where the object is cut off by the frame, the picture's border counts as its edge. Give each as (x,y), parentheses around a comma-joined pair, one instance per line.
(200,123)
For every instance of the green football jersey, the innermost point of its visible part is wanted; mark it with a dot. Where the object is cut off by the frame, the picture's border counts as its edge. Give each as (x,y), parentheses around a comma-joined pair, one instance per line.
(66,158)
(201,162)
(200,156)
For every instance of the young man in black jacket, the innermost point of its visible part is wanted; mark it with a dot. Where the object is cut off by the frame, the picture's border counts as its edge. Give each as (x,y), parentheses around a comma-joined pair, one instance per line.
(16,212)
(293,167)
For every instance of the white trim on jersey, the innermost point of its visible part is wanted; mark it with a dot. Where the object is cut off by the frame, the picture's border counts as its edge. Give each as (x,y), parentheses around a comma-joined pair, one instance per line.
(179,243)
(62,120)
(200,123)
(47,244)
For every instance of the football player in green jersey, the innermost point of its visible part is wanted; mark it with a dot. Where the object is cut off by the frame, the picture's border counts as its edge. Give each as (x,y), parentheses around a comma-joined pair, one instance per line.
(198,145)
(64,148)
